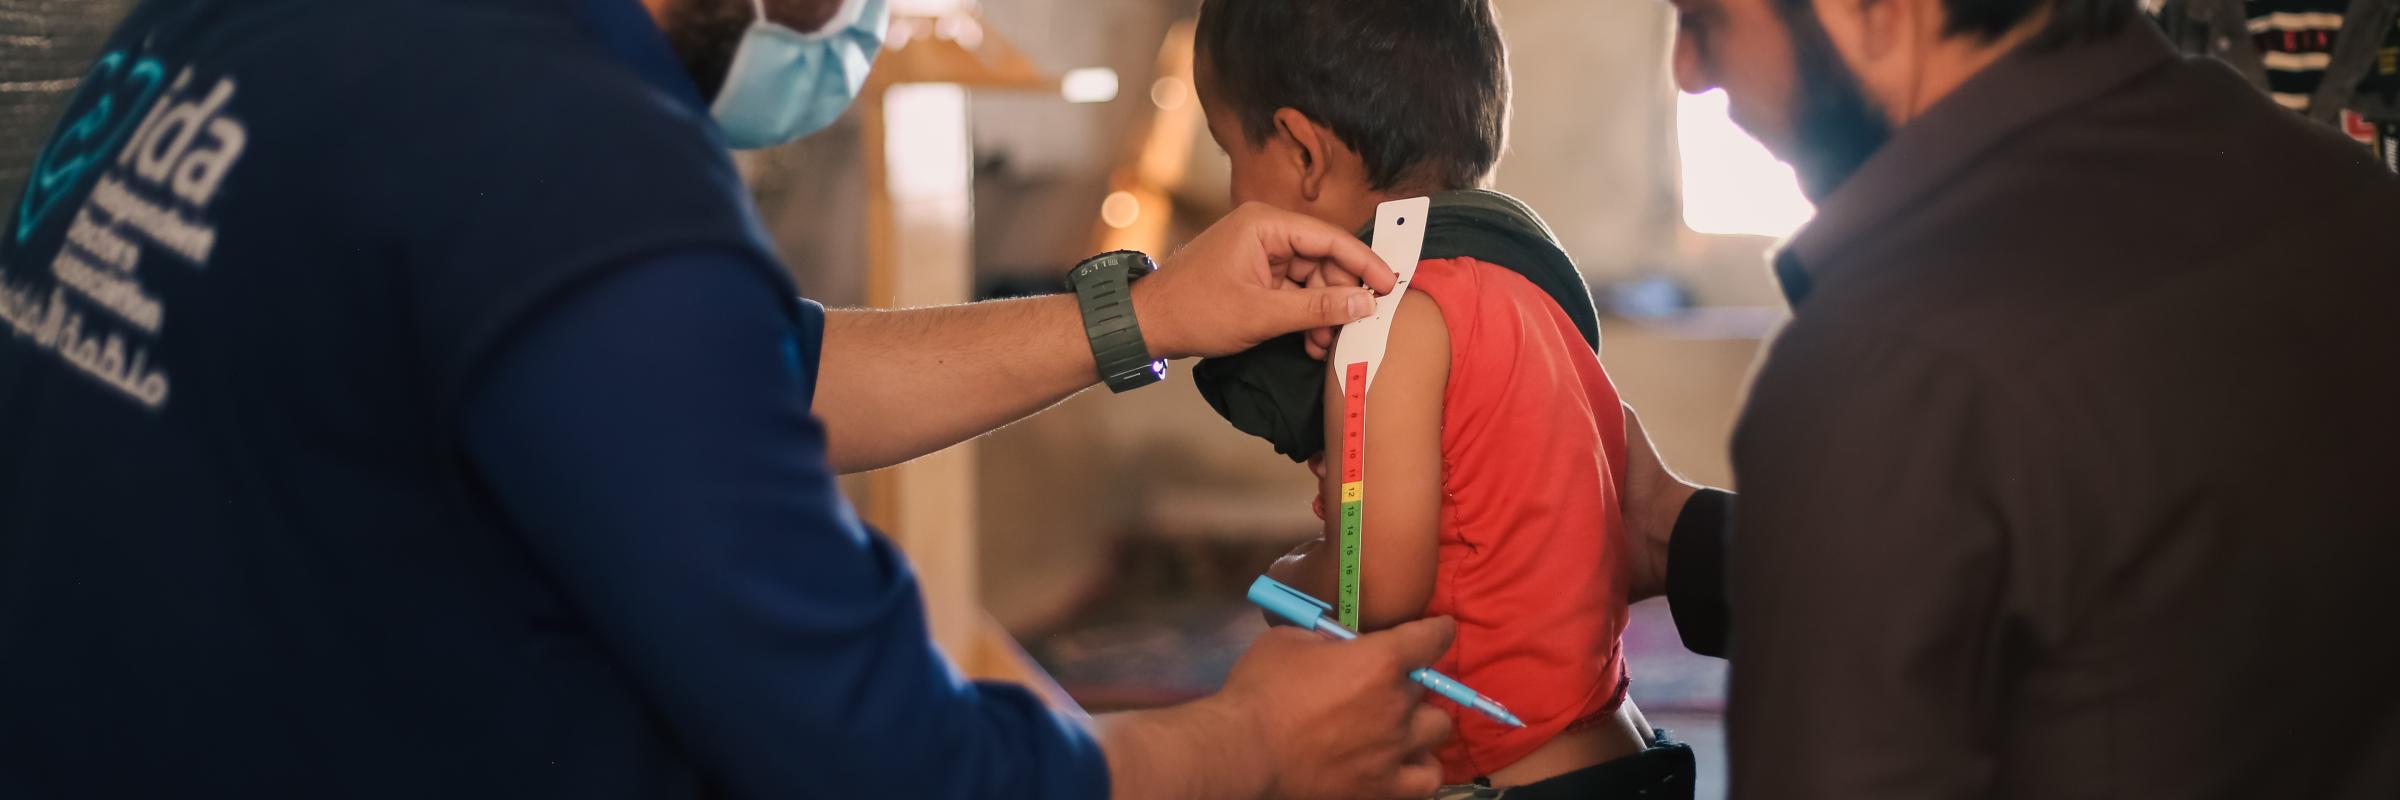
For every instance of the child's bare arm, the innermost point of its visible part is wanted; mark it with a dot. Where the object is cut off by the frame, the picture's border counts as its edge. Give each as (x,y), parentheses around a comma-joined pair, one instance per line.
(1403,476)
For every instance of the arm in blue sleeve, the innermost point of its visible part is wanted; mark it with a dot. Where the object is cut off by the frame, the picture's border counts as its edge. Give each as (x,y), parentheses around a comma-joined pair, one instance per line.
(650,434)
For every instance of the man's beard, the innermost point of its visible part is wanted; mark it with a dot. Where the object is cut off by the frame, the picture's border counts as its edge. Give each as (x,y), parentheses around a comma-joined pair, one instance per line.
(705,34)
(1835,126)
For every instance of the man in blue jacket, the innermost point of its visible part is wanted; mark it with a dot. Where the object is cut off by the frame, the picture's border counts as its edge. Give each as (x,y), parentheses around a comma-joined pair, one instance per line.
(398,399)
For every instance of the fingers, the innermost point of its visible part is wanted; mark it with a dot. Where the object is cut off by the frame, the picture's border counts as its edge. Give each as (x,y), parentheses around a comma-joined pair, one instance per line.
(1320,340)
(1289,636)
(1417,643)
(1654,499)
(1418,777)
(1297,309)
(1317,276)
(1292,240)
(1420,771)
(1428,727)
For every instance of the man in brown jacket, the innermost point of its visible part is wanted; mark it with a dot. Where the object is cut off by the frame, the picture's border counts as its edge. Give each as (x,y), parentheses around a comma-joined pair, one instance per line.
(2076,472)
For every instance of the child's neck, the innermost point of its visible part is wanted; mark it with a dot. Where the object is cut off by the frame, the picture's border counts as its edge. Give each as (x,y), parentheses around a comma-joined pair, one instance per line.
(1359,213)
(1357,210)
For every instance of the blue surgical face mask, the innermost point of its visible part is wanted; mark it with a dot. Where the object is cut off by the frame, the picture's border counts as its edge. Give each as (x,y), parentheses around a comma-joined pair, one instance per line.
(786,84)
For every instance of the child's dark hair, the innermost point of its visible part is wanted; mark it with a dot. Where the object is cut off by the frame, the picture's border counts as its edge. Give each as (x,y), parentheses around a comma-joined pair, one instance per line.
(1418,88)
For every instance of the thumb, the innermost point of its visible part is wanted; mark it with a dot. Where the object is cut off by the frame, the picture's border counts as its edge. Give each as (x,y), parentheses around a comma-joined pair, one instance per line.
(1418,643)
(1303,309)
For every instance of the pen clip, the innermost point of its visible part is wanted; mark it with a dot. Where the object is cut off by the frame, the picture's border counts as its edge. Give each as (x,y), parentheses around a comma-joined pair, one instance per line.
(1287,602)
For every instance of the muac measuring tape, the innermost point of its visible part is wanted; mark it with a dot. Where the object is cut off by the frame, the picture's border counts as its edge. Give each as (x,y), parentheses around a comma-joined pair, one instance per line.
(1399,240)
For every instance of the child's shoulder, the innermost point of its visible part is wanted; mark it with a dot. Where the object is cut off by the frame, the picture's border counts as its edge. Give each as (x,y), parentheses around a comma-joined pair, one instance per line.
(1506,336)
(1470,290)
(1465,275)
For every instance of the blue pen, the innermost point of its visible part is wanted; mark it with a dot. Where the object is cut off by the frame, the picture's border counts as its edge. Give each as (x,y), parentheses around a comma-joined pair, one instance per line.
(1309,612)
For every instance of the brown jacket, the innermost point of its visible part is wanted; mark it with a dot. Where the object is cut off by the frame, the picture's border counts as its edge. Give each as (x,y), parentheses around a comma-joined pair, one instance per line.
(2077,471)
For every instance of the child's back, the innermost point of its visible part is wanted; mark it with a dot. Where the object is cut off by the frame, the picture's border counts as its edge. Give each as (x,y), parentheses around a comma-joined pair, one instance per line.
(1493,468)
(1532,468)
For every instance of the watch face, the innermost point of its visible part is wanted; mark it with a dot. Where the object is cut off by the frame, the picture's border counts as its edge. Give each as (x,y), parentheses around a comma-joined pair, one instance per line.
(1134,263)
(1086,270)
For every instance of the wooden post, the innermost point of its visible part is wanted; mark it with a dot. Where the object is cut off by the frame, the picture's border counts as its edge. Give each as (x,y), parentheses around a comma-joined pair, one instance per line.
(920,176)
(921,254)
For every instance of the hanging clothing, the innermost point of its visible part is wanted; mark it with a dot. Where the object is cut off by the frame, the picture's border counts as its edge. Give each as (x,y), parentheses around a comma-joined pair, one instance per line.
(2337,61)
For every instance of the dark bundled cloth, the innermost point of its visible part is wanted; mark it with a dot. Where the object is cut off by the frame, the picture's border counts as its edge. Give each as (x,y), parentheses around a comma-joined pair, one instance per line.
(1666,770)
(1274,391)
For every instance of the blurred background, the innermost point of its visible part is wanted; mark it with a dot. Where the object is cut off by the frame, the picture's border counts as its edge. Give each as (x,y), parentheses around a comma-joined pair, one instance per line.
(1110,539)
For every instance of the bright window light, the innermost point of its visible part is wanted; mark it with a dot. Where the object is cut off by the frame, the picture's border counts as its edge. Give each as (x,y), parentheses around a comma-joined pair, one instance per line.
(1730,183)
(1089,85)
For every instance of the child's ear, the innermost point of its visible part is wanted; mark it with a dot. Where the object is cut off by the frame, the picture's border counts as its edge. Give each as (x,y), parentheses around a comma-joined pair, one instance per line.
(1309,147)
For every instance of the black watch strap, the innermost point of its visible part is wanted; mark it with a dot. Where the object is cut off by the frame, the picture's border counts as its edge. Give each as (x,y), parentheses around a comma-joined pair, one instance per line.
(1103,287)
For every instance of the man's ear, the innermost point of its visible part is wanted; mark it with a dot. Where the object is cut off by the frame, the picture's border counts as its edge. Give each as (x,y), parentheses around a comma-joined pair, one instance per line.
(1845,25)
(1868,33)
(1883,42)
(1886,28)
(1310,146)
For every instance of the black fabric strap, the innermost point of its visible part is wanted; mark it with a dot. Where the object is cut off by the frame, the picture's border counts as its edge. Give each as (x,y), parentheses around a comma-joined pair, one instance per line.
(1696,572)
(1667,770)
(1501,230)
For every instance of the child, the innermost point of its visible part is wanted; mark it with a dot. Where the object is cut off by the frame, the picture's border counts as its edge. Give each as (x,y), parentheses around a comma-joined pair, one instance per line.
(1495,441)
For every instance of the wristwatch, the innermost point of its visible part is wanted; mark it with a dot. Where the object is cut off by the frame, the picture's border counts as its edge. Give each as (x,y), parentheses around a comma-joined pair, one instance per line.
(1103,286)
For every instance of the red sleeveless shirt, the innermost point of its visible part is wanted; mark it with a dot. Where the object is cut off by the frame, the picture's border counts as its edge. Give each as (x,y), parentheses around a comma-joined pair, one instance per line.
(1533,469)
